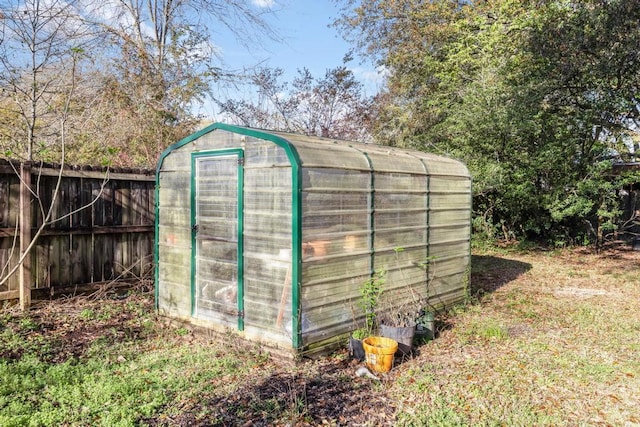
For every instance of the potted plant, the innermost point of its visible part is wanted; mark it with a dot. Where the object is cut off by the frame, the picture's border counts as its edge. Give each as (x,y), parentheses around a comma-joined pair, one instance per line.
(356,348)
(398,321)
(405,310)
(370,293)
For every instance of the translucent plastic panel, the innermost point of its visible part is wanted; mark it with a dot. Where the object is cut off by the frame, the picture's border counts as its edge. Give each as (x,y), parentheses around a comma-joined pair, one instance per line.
(331,307)
(325,222)
(328,321)
(448,216)
(217,270)
(451,266)
(261,153)
(447,290)
(174,297)
(356,242)
(218,139)
(449,201)
(335,211)
(215,169)
(268,204)
(175,236)
(347,201)
(448,250)
(335,179)
(330,245)
(266,201)
(341,268)
(437,184)
(267,192)
(402,258)
(400,182)
(396,161)
(336,290)
(449,233)
(318,152)
(267,179)
(399,238)
(172,257)
(217,199)
(443,166)
(218,250)
(331,156)
(320,247)
(179,160)
(384,200)
(400,219)
(407,277)
(268,291)
(175,218)
(267,245)
(217,299)
(217,229)
(174,189)
(261,223)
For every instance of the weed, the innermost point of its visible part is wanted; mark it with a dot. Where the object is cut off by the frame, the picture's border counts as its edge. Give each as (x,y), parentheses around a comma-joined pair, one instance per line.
(27,324)
(181,332)
(87,314)
(493,331)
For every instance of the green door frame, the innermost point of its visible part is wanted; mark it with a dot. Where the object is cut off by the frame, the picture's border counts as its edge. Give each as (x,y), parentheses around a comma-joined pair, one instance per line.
(239,231)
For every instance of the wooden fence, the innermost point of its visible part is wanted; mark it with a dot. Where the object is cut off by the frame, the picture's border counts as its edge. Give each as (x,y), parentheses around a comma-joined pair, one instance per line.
(100,227)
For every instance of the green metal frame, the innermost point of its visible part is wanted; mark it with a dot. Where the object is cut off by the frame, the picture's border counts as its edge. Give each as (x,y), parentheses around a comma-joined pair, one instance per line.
(371,213)
(239,153)
(427,208)
(296,214)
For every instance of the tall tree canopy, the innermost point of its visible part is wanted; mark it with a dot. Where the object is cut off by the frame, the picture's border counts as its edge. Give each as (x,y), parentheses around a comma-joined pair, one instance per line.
(537,97)
(332,106)
(41,44)
(132,93)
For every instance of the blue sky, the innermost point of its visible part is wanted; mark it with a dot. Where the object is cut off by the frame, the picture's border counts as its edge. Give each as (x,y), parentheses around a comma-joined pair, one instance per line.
(308,41)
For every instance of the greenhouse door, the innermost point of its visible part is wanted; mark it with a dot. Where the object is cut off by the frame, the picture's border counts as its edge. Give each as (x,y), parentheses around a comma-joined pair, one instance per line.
(217,288)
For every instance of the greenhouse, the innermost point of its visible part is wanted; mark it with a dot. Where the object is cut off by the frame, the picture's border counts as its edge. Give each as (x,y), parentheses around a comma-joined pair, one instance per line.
(272,234)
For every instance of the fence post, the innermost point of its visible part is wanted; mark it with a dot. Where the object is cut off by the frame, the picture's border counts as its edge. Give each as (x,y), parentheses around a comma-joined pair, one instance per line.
(24,271)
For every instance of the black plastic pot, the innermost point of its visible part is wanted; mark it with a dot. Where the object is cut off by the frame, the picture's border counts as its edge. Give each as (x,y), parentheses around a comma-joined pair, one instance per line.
(356,350)
(402,334)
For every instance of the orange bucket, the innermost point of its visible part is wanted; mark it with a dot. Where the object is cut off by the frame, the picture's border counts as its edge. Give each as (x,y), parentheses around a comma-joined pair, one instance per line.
(379,353)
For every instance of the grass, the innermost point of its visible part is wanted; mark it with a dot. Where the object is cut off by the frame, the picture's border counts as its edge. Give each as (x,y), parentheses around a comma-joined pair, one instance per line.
(116,380)
(554,345)
(548,340)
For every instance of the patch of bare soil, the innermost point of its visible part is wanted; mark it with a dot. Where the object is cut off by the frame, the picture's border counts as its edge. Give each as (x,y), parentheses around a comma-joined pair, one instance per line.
(59,330)
(313,393)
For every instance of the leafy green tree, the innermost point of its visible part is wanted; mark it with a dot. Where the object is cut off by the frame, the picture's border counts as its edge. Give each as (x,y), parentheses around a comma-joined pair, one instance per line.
(538,98)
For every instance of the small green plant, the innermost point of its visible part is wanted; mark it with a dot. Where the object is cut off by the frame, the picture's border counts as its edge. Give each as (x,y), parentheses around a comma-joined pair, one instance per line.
(181,332)
(370,293)
(360,333)
(88,314)
(27,324)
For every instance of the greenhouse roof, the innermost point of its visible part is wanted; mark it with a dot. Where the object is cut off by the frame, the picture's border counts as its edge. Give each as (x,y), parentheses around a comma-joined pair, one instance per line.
(317,152)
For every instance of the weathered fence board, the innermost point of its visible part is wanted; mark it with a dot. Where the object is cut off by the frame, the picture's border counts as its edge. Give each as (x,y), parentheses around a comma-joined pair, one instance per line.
(100,228)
